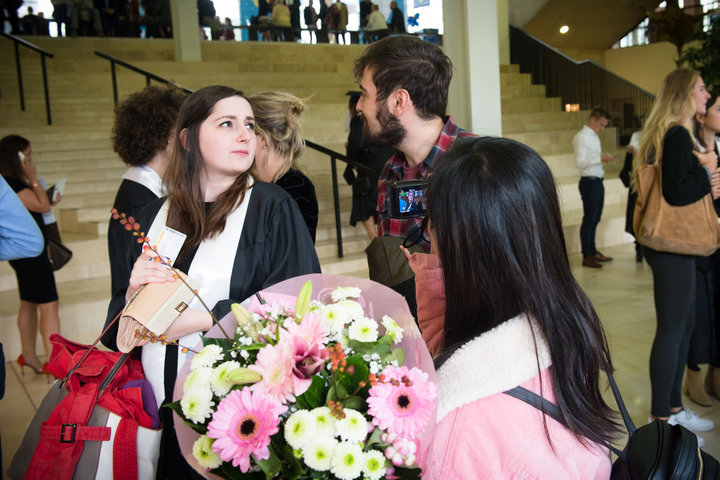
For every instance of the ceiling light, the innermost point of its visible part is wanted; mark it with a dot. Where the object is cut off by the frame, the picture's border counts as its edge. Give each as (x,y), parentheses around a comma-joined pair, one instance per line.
(564,29)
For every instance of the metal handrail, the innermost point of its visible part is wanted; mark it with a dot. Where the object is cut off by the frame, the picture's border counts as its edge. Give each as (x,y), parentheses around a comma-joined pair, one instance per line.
(585,83)
(334,156)
(17,41)
(148,76)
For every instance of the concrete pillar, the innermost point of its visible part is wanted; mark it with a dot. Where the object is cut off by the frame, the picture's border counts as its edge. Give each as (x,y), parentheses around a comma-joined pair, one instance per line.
(186,31)
(471,41)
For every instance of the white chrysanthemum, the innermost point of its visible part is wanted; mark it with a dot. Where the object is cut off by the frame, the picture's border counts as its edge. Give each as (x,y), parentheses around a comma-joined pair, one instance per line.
(318,454)
(353,427)
(342,293)
(197,405)
(374,465)
(206,357)
(324,422)
(199,378)
(392,328)
(348,461)
(335,317)
(299,429)
(204,454)
(219,379)
(353,310)
(363,330)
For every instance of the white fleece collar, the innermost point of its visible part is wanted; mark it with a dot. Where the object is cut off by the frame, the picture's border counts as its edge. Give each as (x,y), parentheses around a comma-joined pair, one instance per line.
(493,362)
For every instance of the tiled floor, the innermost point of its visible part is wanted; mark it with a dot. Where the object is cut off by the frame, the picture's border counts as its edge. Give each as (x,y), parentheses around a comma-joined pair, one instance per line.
(621,292)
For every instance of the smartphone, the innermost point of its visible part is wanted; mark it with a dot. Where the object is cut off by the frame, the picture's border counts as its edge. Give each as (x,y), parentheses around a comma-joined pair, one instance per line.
(21,155)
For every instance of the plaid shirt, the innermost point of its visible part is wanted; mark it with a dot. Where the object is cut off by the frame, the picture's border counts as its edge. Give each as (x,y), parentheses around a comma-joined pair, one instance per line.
(393,171)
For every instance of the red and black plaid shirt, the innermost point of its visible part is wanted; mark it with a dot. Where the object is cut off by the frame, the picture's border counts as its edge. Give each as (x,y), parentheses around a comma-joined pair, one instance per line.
(393,171)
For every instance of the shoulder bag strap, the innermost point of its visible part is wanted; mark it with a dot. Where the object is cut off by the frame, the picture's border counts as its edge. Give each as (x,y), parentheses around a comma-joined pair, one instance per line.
(549,408)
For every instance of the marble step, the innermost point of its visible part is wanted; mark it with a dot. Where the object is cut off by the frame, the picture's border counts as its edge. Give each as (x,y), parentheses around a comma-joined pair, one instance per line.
(542,121)
(515,78)
(530,105)
(557,141)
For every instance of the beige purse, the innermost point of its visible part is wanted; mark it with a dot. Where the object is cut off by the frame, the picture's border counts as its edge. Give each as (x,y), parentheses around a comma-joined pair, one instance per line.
(153,308)
(687,230)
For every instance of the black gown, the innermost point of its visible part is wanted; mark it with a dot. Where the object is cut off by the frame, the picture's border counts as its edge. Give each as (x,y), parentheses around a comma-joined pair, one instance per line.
(131,197)
(302,190)
(274,245)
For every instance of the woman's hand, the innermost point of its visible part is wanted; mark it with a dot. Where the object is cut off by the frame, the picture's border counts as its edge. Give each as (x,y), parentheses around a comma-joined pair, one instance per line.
(59,197)
(145,271)
(707,160)
(190,321)
(715,184)
(29,169)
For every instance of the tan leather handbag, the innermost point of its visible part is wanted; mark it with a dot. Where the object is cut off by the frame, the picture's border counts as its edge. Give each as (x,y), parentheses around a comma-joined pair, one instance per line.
(688,230)
(153,308)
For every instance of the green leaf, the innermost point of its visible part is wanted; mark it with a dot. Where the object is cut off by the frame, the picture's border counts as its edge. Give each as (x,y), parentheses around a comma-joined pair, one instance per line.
(224,343)
(226,470)
(175,406)
(397,354)
(355,403)
(360,373)
(315,395)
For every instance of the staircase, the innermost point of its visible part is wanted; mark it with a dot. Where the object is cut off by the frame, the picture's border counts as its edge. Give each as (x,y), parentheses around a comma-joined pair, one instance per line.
(78,146)
(535,120)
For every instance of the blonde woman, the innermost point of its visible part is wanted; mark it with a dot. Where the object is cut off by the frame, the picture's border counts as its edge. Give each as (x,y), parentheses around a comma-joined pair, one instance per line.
(279,144)
(686,174)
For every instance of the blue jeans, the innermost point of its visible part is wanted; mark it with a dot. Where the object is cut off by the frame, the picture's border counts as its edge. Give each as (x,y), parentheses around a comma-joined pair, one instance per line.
(592,192)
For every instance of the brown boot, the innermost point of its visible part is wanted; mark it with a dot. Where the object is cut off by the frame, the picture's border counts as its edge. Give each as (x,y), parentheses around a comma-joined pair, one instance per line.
(695,389)
(712,381)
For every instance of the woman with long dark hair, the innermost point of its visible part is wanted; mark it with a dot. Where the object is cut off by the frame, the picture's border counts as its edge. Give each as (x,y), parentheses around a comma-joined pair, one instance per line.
(668,141)
(514,316)
(241,237)
(36,281)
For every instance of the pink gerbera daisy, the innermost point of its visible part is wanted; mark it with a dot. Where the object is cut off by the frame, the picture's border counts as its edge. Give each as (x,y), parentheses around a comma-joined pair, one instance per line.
(242,426)
(275,364)
(403,403)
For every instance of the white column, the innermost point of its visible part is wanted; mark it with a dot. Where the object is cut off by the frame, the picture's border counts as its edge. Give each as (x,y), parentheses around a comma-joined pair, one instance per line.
(186,31)
(471,41)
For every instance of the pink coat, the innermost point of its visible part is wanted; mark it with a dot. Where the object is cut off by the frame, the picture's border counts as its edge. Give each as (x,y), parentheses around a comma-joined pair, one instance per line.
(484,433)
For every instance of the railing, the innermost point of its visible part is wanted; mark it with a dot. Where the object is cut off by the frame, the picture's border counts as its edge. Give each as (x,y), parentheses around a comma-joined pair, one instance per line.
(586,83)
(148,76)
(43,53)
(334,156)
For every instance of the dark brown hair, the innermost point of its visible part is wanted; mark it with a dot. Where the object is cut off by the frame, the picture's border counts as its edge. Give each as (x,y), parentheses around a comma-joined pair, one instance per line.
(183,178)
(144,122)
(598,112)
(410,63)
(506,256)
(10,165)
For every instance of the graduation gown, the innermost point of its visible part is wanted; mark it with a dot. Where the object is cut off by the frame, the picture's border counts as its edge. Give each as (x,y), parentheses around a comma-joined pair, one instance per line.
(274,245)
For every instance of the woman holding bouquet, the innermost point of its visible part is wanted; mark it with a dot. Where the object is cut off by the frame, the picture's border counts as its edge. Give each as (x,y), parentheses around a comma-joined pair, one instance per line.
(514,316)
(241,236)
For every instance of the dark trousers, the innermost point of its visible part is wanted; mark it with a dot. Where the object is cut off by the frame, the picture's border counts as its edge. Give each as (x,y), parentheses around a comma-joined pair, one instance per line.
(592,193)
(674,284)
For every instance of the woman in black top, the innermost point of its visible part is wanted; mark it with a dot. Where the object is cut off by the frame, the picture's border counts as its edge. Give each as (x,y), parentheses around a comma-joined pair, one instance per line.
(685,174)
(36,281)
(280,144)
(704,343)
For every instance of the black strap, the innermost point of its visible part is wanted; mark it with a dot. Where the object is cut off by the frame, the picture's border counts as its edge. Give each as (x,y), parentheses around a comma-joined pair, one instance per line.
(549,408)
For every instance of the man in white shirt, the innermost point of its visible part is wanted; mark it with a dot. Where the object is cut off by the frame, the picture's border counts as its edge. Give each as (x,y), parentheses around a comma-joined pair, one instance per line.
(589,159)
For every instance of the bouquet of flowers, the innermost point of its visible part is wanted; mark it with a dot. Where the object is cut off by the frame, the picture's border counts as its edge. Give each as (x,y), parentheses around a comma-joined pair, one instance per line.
(309,389)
